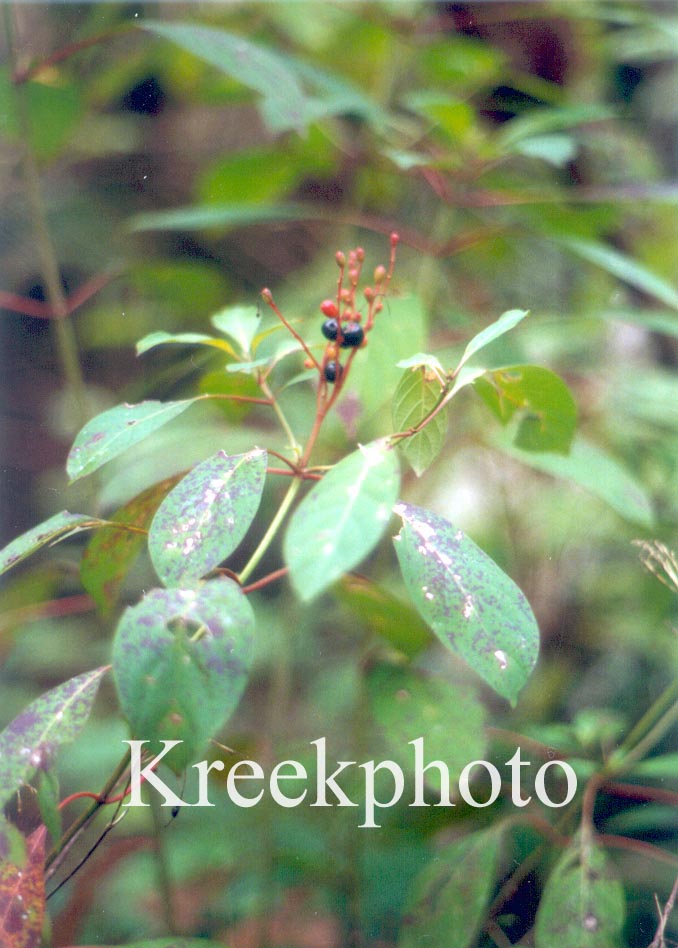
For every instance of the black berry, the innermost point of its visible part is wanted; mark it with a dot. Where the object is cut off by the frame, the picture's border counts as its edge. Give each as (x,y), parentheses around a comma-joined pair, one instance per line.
(330,328)
(333,371)
(353,334)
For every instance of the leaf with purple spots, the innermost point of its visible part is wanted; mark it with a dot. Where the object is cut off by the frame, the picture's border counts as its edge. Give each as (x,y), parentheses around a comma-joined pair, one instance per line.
(181,658)
(22,895)
(31,741)
(57,527)
(341,519)
(204,518)
(473,607)
(583,902)
(113,431)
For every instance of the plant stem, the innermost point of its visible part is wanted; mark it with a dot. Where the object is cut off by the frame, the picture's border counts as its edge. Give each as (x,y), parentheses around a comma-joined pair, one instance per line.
(162,868)
(87,814)
(291,438)
(273,527)
(63,329)
(647,722)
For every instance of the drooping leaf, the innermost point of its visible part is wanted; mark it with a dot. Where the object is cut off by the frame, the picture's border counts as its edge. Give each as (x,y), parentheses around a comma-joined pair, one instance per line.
(113,431)
(57,527)
(204,518)
(623,267)
(590,467)
(425,359)
(408,704)
(181,659)
(30,742)
(22,895)
(417,394)
(341,519)
(548,412)
(487,335)
(583,903)
(380,611)
(224,216)
(450,896)
(112,550)
(473,607)
(256,67)
(161,338)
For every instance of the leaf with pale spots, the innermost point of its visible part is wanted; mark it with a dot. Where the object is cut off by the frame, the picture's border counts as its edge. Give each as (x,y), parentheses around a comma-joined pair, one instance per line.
(181,658)
(449,897)
(22,895)
(33,738)
(204,518)
(58,527)
(114,431)
(583,902)
(473,607)
(341,519)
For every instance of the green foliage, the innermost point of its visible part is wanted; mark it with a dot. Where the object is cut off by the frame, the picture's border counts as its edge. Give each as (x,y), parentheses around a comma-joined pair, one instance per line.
(172,168)
(473,607)
(180,660)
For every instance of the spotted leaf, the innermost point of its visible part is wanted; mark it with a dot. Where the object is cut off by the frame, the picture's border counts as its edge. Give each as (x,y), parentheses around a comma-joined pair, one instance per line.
(583,903)
(22,895)
(56,528)
(204,518)
(473,607)
(181,659)
(31,741)
(114,431)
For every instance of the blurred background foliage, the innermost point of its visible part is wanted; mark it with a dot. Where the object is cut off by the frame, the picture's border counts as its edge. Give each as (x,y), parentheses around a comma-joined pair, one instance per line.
(527,153)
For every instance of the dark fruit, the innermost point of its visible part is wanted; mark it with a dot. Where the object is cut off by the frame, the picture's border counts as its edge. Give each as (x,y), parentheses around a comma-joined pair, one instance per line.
(353,334)
(330,328)
(333,371)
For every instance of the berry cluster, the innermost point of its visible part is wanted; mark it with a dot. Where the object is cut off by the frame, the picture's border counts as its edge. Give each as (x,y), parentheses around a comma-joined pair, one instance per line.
(344,327)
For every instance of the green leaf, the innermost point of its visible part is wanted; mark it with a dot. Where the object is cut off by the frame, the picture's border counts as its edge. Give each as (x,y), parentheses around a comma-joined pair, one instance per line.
(48,803)
(583,903)
(397,332)
(204,518)
(57,527)
(240,323)
(181,658)
(557,150)
(174,943)
(408,704)
(546,121)
(380,611)
(418,392)
(473,607)
(224,216)
(590,467)
(113,431)
(662,767)
(424,359)
(12,844)
(450,896)
(112,550)
(160,338)
(22,896)
(504,324)
(33,738)
(341,519)
(622,267)
(257,67)
(547,409)
(53,108)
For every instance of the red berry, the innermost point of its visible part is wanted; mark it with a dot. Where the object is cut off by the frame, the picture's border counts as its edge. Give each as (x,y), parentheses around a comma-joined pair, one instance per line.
(329,308)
